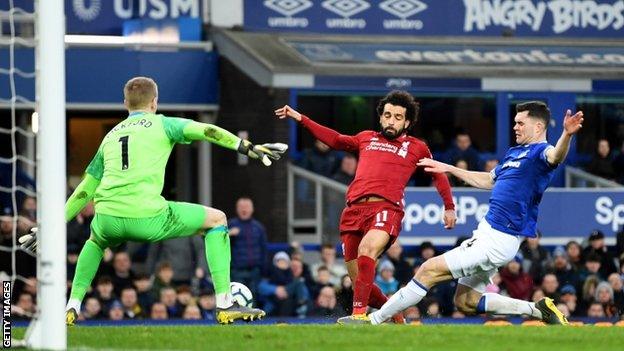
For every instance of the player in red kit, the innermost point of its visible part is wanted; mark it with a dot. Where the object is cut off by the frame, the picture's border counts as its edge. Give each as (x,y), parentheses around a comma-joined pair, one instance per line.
(371,222)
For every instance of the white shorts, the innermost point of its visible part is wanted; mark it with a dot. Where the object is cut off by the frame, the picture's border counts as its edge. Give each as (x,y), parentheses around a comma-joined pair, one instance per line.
(477,259)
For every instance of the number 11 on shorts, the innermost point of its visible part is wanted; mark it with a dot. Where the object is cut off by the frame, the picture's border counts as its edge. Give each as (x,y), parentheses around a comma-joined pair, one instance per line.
(381,218)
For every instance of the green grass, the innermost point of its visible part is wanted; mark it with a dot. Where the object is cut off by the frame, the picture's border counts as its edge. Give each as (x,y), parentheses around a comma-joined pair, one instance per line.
(334,337)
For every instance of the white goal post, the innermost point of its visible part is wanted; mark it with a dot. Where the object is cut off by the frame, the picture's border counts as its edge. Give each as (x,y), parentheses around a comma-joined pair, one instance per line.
(48,330)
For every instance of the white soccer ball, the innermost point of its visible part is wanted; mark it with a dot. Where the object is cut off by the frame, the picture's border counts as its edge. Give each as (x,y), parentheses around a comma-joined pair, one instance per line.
(241,294)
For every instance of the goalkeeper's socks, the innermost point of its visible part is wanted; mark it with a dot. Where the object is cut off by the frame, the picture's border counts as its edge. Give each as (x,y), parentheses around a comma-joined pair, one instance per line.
(363,284)
(88,263)
(75,304)
(407,296)
(218,255)
(499,304)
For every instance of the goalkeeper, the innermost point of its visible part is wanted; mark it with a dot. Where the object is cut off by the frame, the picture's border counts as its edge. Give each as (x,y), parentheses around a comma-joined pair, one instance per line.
(125,179)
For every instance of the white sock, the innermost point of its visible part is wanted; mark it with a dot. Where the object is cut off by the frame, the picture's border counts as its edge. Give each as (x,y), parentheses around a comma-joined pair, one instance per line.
(75,304)
(224,300)
(499,304)
(408,296)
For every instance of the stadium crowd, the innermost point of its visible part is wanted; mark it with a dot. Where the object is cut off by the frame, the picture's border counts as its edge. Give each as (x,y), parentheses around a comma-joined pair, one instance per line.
(169,280)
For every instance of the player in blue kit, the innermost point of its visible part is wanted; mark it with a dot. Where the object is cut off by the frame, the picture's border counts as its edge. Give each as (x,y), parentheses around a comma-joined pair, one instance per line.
(517,184)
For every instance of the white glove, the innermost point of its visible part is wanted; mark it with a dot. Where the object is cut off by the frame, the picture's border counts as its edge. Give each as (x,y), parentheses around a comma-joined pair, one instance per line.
(28,242)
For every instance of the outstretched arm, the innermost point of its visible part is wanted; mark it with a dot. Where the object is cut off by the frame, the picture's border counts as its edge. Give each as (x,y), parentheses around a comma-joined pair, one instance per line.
(444,189)
(571,125)
(481,180)
(216,135)
(329,136)
(81,196)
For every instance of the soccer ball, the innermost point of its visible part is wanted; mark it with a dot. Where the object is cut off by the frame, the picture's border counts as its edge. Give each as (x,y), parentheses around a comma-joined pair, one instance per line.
(241,294)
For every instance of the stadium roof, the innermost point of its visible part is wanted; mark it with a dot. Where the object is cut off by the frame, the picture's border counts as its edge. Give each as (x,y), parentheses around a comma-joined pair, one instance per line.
(298,61)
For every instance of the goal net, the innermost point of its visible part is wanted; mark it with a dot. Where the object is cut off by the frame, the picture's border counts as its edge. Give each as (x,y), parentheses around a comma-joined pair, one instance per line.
(32,171)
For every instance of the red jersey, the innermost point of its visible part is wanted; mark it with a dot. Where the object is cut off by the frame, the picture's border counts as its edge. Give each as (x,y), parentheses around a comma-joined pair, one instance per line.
(385,165)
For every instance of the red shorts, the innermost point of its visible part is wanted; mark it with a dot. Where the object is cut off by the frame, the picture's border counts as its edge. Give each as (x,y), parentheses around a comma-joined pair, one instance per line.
(357,219)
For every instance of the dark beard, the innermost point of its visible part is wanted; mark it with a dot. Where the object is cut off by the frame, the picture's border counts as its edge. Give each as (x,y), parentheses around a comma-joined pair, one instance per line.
(387,134)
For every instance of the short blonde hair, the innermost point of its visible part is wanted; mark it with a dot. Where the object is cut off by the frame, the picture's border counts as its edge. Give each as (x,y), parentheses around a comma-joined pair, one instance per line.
(139,92)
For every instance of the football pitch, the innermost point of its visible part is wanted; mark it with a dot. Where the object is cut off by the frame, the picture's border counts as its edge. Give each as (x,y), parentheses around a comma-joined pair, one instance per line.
(335,337)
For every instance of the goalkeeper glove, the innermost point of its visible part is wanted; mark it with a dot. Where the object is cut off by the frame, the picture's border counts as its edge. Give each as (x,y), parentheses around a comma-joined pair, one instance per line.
(264,152)
(28,242)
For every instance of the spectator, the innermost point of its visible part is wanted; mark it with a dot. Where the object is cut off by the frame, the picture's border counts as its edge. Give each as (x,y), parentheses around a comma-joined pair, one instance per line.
(122,271)
(116,311)
(618,165)
(319,159)
(490,165)
(618,290)
(92,309)
(402,269)
(563,308)
(323,279)
(453,180)
(550,284)
(575,255)
(328,259)
(168,298)
(602,162)
(604,296)
(519,285)
(432,308)
(192,312)
(79,228)
(536,257)
(295,251)
(346,173)
(29,209)
(427,250)
(159,311)
(463,149)
(537,295)
(412,313)
(164,277)
(588,292)
(249,245)
(143,286)
(130,303)
(345,294)
(186,255)
(569,298)
(184,296)
(597,246)
(326,304)
(207,304)
(592,267)
(24,308)
(282,295)
(595,310)
(385,278)
(562,268)
(104,293)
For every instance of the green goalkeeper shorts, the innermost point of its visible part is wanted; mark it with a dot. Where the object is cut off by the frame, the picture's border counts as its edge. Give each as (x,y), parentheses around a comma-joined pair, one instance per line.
(179,219)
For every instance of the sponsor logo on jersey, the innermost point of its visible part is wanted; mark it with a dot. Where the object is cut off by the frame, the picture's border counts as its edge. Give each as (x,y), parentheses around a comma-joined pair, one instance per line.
(403,151)
(512,164)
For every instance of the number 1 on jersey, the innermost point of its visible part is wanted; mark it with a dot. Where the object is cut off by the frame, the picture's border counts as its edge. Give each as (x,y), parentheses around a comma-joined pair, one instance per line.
(124,152)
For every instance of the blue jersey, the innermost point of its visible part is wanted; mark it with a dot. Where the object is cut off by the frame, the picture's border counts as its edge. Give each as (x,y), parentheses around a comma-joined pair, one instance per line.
(519,183)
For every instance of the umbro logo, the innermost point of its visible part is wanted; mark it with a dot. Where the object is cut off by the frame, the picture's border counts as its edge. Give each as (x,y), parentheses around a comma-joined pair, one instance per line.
(345,8)
(288,8)
(403,8)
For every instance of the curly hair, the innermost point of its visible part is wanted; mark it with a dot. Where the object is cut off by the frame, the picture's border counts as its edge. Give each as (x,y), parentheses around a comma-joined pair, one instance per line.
(403,99)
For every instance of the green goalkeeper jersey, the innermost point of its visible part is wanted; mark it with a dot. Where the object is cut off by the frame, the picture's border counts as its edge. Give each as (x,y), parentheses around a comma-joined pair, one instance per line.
(130,164)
